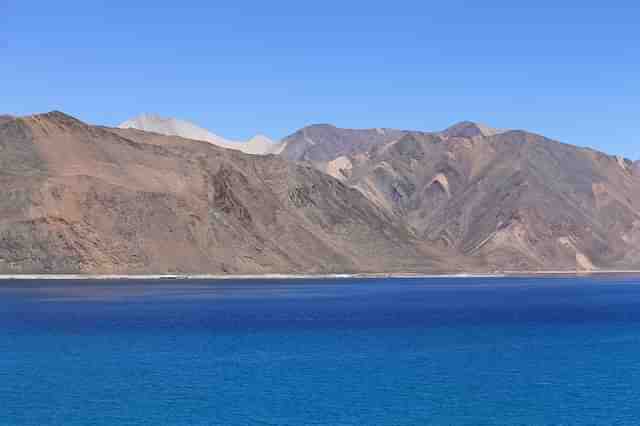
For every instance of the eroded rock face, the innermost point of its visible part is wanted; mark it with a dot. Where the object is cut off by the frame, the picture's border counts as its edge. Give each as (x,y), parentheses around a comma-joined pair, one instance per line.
(635,169)
(225,200)
(84,199)
(340,168)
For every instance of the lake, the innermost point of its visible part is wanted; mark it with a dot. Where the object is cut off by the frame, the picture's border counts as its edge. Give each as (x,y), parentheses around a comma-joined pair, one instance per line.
(446,351)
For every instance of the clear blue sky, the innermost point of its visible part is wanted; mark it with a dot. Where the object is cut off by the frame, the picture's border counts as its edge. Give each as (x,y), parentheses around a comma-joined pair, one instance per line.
(571,72)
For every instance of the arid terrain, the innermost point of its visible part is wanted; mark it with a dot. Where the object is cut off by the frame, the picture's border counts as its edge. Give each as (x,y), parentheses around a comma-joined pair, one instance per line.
(512,200)
(83,199)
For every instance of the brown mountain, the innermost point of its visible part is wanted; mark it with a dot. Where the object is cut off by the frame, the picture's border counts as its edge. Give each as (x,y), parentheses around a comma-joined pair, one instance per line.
(85,199)
(509,199)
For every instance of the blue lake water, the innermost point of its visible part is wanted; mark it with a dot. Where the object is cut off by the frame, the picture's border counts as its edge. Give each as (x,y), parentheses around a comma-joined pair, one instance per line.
(529,351)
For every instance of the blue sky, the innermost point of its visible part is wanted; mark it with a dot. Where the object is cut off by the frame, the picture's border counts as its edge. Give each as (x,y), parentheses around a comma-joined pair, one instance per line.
(571,72)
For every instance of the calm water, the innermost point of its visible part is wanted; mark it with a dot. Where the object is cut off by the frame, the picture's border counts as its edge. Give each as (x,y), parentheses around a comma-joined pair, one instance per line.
(343,352)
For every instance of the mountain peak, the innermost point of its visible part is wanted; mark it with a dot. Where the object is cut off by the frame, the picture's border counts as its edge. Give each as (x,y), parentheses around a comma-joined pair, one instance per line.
(151,122)
(57,118)
(261,138)
(169,126)
(470,129)
(148,119)
(54,115)
(260,145)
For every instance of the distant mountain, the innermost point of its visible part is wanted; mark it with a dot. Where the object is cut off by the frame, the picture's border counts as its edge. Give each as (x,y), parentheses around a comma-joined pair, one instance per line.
(324,142)
(258,145)
(78,198)
(469,129)
(513,200)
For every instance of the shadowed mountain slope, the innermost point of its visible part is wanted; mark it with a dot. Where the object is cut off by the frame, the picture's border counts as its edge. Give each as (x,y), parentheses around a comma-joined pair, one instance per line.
(85,199)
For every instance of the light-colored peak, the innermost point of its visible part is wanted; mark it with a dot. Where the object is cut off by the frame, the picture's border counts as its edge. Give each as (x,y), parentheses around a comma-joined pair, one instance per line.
(173,127)
(260,138)
(260,145)
(149,122)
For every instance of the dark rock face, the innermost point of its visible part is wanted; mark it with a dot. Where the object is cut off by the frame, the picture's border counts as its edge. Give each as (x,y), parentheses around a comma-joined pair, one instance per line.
(225,200)
(512,200)
(301,196)
(86,199)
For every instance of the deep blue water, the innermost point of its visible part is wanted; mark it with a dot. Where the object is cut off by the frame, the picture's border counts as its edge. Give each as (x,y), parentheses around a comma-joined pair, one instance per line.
(331,352)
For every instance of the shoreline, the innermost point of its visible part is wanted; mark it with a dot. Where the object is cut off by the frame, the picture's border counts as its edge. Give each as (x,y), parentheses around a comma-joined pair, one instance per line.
(226,277)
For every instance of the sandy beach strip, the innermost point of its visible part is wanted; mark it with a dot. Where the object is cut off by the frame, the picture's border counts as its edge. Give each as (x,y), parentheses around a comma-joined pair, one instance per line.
(312,276)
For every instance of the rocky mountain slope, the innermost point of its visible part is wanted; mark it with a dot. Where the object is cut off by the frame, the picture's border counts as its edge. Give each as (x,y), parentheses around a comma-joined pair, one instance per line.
(258,145)
(85,199)
(512,200)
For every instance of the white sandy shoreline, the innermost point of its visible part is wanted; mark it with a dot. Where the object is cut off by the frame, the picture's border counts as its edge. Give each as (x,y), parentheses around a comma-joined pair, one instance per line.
(234,277)
(504,274)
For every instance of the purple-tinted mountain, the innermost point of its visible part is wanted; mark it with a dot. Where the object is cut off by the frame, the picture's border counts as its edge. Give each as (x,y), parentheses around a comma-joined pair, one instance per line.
(512,200)
(324,142)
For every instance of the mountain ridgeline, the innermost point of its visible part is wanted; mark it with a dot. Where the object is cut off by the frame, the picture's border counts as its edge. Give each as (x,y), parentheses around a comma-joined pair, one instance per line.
(88,199)
(512,200)
(85,199)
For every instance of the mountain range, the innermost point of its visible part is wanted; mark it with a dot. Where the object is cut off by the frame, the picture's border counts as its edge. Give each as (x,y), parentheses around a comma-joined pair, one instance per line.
(158,195)
(512,199)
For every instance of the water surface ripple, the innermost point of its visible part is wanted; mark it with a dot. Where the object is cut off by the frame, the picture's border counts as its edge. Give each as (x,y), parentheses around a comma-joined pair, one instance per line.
(473,351)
